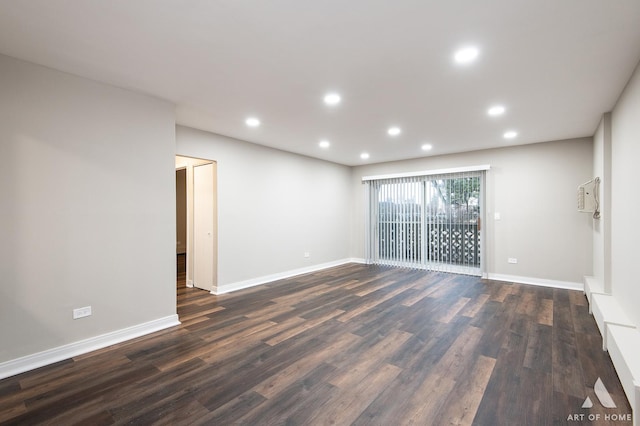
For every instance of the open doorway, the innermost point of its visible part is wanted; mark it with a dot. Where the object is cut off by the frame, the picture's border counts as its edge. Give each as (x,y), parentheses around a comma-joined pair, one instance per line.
(181,227)
(196,223)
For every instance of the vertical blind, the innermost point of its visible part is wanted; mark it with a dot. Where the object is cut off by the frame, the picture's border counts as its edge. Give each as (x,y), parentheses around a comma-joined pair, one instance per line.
(426,221)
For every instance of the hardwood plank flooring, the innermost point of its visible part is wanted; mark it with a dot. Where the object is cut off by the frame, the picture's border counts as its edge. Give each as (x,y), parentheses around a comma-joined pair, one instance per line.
(351,345)
(181,268)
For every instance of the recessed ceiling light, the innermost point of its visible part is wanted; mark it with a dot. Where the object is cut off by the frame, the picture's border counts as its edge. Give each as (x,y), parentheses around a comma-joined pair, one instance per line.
(252,122)
(324,144)
(332,99)
(466,55)
(364,155)
(510,134)
(496,110)
(427,147)
(394,131)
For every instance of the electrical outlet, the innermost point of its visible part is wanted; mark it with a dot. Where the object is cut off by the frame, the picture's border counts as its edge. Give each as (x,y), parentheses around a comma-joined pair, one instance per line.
(82,312)
(496,216)
(512,260)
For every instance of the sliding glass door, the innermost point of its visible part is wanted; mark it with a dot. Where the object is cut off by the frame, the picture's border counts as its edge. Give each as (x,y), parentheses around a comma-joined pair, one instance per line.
(399,222)
(432,222)
(452,222)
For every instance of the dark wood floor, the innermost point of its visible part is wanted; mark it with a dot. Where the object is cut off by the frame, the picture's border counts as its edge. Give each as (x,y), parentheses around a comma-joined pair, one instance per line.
(181,269)
(356,344)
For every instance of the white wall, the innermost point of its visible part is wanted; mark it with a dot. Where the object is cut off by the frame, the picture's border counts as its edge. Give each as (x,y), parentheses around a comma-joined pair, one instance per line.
(273,207)
(533,187)
(614,290)
(602,226)
(625,199)
(88,208)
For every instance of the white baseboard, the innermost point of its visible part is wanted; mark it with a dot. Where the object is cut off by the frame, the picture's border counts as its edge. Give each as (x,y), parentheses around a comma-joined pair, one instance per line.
(607,311)
(50,356)
(536,281)
(240,285)
(624,350)
(592,286)
(620,338)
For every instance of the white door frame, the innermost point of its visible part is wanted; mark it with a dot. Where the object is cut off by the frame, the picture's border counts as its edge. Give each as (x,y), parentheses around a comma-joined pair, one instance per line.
(189,163)
(203,226)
